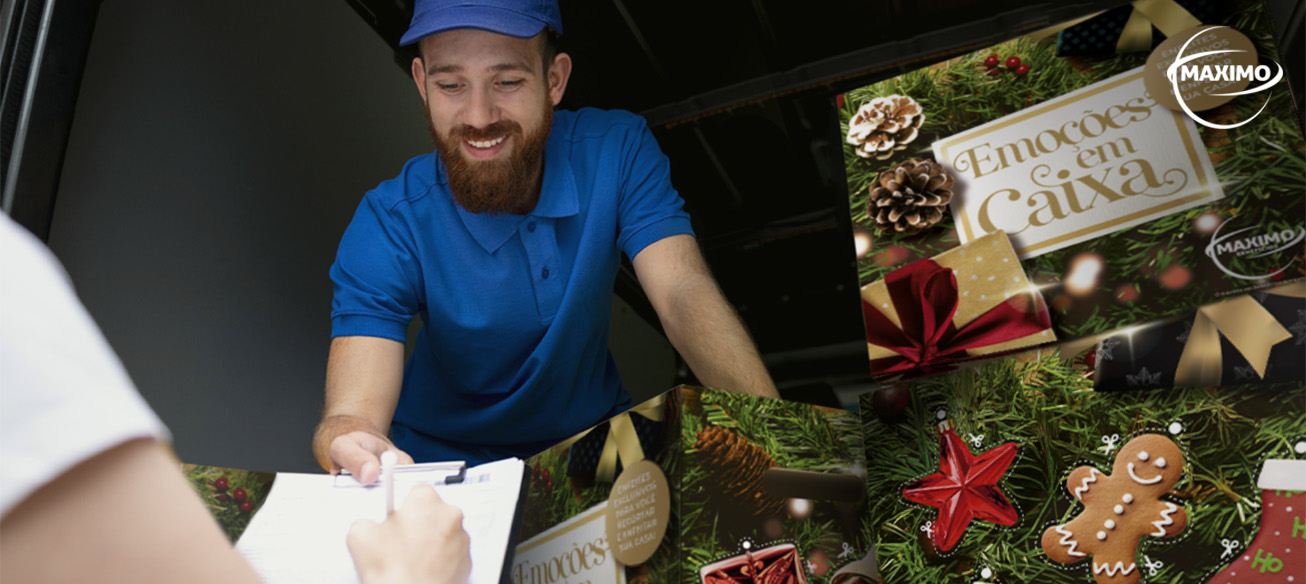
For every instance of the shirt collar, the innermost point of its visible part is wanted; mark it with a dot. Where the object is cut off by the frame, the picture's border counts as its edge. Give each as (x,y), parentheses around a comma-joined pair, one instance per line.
(558,198)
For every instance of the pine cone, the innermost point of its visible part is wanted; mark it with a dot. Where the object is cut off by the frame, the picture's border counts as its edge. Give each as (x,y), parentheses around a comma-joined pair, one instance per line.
(736,466)
(885,125)
(910,196)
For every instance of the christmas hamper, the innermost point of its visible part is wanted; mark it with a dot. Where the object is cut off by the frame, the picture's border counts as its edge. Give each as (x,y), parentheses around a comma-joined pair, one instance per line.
(1115,204)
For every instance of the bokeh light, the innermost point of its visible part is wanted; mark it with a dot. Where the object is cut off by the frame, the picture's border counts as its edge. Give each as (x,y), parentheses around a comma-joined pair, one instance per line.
(1082,278)
(862,240)
(1207,222)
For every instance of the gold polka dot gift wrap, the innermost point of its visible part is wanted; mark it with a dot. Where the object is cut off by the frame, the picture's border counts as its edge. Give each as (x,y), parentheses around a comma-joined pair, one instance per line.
(989,282)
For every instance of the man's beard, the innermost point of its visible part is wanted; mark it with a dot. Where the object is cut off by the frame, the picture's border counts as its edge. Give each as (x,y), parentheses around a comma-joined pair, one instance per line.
(509,185)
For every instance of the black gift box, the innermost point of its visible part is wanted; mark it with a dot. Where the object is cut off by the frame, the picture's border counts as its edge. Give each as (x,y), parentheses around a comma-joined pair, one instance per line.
(1148,356)
(584,455)
(1098,36)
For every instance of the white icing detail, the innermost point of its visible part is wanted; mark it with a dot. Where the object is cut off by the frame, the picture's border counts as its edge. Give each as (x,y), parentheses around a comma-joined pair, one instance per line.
(1151,481)
(1142,455)
(1127,498)
(1120,509)
(1110,524)
(1160,463)
(1070,543)
(1101,536)
(1091,478)
(1165,519)
(1109,570)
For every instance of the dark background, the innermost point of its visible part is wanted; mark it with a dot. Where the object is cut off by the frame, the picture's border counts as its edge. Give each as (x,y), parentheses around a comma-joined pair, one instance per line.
(194,164)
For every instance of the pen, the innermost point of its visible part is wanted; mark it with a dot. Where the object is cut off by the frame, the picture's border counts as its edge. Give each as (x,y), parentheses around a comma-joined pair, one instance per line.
(388,461)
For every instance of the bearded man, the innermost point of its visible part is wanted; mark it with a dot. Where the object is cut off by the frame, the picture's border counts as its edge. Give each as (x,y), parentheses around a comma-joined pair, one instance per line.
(506,243)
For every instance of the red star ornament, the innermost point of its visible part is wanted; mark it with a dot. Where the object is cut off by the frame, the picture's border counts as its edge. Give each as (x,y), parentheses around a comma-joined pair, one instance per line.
(965,488)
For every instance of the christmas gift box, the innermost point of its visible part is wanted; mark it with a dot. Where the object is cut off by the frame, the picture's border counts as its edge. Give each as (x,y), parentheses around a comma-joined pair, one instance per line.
(1018,471)
(1256,337)
(969,301)
(1123,203)
(705,487)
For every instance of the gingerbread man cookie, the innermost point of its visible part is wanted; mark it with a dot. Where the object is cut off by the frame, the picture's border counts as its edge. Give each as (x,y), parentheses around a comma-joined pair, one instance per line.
(1120,508)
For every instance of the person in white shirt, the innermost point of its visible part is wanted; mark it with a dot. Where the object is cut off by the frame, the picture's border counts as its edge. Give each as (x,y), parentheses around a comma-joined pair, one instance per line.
(88,488)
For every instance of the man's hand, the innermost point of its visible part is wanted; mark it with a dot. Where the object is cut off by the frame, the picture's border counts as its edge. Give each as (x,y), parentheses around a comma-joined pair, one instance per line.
(360,454)
(423,542)
(363,380)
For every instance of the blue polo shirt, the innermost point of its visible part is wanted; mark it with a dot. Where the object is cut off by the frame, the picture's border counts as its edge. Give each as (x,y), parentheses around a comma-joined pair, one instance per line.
(512,356)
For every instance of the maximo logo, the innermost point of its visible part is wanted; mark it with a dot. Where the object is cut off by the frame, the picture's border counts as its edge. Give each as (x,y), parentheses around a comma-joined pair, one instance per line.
(1197,68)
(1251,245)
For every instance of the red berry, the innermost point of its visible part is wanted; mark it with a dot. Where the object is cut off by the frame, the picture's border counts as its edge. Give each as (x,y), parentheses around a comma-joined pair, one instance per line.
(549,484)
(239,494)
(246,506)
(222,497)
(991,61)
(1013,62)
(1022,69)
(545,475)
(993,71)
(220,484)
(839,100)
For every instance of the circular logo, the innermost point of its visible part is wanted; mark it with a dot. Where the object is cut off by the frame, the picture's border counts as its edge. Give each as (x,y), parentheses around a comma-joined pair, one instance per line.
(638,512)
(1205,67)
(1252,253)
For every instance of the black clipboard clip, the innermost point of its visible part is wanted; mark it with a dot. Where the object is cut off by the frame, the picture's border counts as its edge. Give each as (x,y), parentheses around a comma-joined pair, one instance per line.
(457,467)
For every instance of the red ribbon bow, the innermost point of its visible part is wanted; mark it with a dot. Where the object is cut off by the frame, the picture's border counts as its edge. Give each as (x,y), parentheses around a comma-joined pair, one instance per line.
(924,295)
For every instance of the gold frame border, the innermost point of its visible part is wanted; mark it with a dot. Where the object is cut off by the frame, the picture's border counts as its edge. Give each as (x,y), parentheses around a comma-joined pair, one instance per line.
(584,519)
(1184,136)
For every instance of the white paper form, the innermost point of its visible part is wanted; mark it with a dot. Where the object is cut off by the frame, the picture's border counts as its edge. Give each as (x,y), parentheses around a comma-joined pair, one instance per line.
(299,533)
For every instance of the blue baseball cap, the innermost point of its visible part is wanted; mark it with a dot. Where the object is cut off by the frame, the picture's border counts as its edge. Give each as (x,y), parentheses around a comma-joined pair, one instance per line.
(517,18)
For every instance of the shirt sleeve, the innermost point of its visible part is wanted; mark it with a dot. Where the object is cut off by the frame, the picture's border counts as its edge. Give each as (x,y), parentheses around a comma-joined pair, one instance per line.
(650,209)
(64,395)
(375,276)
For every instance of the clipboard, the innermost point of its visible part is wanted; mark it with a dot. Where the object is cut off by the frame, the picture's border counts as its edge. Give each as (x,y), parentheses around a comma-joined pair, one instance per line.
(298,535)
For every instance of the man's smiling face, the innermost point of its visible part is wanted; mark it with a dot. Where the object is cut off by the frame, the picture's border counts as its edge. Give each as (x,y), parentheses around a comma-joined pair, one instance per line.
(489,105)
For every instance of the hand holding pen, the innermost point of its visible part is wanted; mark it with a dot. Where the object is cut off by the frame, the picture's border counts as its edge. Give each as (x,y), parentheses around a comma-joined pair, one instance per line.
(422,542)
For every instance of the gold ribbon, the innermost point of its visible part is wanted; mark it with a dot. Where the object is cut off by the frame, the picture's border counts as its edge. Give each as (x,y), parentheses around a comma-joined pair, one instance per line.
(1166,15)
(1251,329)
(622,442)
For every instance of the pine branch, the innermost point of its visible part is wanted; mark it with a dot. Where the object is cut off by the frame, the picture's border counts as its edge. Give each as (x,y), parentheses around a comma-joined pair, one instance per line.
(1048,408)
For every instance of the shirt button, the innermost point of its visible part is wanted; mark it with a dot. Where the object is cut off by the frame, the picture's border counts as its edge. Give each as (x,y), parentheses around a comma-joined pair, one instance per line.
(544,273)
(530,227)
